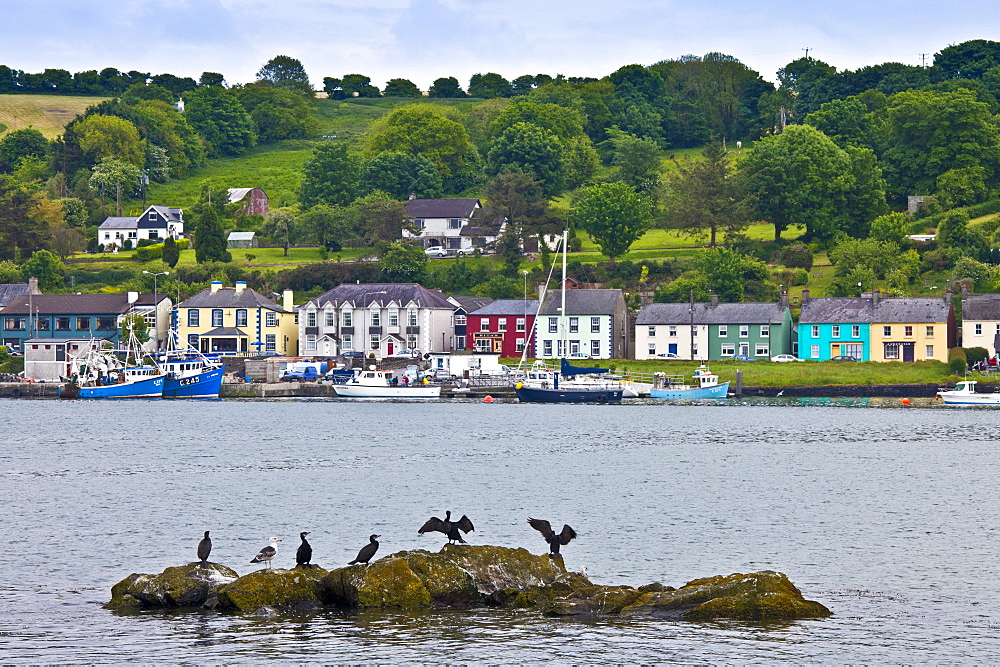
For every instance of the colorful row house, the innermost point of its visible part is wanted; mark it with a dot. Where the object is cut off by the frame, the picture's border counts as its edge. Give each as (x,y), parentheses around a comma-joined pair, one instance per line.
(981,321)
(875,328)
(237,321)
(594,325)
(713,330)
(503,326)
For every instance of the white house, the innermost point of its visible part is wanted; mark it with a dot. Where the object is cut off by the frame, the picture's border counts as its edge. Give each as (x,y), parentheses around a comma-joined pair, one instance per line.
(667,328)
(155,223)
(593,326)
(981,321)
(454,224)
(384,319)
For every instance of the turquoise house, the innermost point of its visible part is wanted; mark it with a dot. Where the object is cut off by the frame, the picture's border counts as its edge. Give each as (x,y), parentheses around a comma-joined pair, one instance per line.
(834,326)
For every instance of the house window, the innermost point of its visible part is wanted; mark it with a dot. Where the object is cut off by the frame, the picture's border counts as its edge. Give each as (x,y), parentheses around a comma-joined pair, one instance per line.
(412,317)
(595,325)
(311,342)
(42,323)
(373,341)
(553,325)
(108,323)
(502,324)
(887,331)
(152,216)
(83,324)
(855,331)
(930,352)
(271,343)
(454,223)
(672,332)
(723,331)
(347,342)
(133,235)
(62,324)
(460,320)
(651,332)
(574,348)
(241,317)
(547,348)
(194,317)
(519,345)
(595,348)
(393,318)
(411,341)
(348,318)
(13,323)
(835,331)
(891,351)
(270,319)
(520,324)
(694,350)
(484,345)
(484,324)
(728,349)
(908,331)
(929,331)
(217,317)
(560,348)
(574,325)
(814,351)
(762,350)
(310,318)
(153,234)
(331,318)
(418,223)
(459,342)
(744,331)
(851,350)
(193,341)
(376,317)
(652,349)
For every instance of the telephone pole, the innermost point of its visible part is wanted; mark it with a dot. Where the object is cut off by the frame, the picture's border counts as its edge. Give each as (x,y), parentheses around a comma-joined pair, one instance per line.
(807,50)
(923,59)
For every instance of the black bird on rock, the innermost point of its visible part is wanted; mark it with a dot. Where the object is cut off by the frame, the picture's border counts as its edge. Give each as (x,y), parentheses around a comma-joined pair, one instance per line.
(367,551)
(304,553)
(204,548)
(554,540)
(448,527)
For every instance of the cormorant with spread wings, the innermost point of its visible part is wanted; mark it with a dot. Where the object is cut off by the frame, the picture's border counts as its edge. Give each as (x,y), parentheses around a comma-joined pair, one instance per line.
(448,527)
(554,539)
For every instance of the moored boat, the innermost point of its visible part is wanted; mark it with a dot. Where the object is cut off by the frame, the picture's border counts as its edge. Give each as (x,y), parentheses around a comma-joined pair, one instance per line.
(558,394)
(98,373)
(704,384)
(965,393)
(381,384)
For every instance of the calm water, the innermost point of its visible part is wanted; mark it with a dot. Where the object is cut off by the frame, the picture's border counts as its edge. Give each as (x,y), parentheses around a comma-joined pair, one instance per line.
(886,515)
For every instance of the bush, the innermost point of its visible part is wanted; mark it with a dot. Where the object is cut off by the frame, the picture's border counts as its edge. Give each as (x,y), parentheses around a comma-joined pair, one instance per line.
(958,363)
(127,244)
(973,355)
(987,207)
(797,256)
(149,252)
(145,242)
(790,277)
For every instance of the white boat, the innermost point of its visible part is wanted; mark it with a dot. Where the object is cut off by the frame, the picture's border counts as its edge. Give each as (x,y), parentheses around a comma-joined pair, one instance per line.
(964,393)
(380,384)
(705,384)
(541,376)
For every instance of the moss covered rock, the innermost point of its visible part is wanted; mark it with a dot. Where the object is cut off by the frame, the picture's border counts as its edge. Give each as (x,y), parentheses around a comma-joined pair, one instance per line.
(193,585)
(498,568)
(388,582)
(286,590)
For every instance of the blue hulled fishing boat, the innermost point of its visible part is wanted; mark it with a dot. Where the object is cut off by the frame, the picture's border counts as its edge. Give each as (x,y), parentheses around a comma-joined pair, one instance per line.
(99,373)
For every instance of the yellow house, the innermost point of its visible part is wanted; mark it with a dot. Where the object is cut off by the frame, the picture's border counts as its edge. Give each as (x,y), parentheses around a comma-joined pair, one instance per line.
(238,321)
(912,329)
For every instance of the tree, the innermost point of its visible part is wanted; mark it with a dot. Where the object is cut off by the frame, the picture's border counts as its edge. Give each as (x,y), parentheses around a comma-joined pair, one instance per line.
(45,266)
(867,260)
(580,160)
(221,120)
(379,217)
(962,187)
(509,252)
(20,144)
(211,79)
(162,125)
(560,121)
(489,85)
(105,137)
(280,226)
(171,253)
(889,228)
(731,275)
(401,88)
(500,287)
(402,174)
(328,225)
(21,232)
(134,327)
(705,198)
(210,239)
(614,215)
(330,176)
(531,149)
(803,71)
(285,72)
(518,198)
(358,85)
(402,263)
(66,240)
(446,87)
(110,172)
(277,113)
(419,129)
(638,160)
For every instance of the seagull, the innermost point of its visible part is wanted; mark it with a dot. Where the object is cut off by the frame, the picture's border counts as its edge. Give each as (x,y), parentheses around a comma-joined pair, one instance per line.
(554,540)
(304,553)
(204,548)
(448,527)
(267,553)
(367,551)
(780,393)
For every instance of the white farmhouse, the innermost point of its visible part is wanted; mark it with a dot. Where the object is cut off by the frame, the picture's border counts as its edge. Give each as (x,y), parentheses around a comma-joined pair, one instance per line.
(457,225)
(156,223)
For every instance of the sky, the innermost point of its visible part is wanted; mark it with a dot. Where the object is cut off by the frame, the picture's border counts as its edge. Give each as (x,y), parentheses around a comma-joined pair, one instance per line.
(423,40)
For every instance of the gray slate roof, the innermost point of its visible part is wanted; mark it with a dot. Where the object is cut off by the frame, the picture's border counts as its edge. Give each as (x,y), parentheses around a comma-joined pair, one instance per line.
(118,223)
(584,302)
(77,304)
(864,311)
(981,307)
(510,307)
(440,208)
(225,331)
(228,297)
(10,291)
(402,294)
(707,313)
(471,303)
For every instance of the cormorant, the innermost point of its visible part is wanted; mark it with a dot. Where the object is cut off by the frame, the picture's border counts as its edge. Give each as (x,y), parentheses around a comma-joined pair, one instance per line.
(267,553)
(554,540)
(367,551)
(304,553)
(448,527)
(204,548)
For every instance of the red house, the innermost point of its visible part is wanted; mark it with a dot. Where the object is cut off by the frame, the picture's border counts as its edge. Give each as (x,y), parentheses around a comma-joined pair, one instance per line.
(503,326)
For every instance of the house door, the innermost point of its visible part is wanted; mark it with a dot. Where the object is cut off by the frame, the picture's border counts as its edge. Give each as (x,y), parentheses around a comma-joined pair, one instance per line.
(907,351)
(390,348)
(672,348)
(745,349)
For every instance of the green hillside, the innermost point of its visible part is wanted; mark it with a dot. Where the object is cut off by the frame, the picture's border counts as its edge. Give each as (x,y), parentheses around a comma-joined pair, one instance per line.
(46,113)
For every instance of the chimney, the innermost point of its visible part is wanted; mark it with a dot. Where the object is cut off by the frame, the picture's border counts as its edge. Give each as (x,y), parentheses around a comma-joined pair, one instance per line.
(948,294)
(216,285)
(805,297)
(715,299)
(133,297)
(240,286)
(876,295)
(33,286)
(784,298)
(286,300)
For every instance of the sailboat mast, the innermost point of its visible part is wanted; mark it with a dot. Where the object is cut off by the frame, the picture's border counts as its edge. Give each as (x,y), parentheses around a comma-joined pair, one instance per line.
(562,318)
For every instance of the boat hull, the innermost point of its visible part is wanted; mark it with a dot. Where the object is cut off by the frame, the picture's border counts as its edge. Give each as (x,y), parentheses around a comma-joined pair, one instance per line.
(206,384)
(147,388)
(362,391)
(567,395)
(718,391)
(969,399)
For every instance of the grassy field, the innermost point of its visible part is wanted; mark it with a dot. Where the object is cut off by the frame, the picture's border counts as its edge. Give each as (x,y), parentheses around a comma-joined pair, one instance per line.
(264,258)
(46,113)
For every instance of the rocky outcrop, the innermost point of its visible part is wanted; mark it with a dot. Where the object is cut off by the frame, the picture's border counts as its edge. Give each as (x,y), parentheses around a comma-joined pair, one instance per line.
(465,575)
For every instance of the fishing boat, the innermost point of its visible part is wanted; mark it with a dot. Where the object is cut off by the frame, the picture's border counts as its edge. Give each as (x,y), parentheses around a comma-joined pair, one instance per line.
(965,393)
(99,373)
(189,373)
(704,384)
(381,384)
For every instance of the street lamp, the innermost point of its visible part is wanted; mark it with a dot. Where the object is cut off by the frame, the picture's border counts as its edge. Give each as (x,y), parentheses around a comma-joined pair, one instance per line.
(156,307)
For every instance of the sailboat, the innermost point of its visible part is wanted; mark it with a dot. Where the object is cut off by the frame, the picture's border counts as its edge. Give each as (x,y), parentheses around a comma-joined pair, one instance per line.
(551,386)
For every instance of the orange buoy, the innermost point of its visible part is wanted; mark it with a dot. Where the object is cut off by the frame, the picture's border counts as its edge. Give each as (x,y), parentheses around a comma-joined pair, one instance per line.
(488,399)
(906,401)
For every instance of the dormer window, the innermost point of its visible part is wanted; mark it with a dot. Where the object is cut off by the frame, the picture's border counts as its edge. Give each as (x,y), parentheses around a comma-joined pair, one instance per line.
(152,216)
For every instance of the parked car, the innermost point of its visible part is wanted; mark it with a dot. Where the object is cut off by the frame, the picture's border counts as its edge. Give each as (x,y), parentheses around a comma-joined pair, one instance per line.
(667,355)
(353,354)
(307,374)
(436,251)
(779,358)
(742,357)
(843,357)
